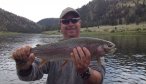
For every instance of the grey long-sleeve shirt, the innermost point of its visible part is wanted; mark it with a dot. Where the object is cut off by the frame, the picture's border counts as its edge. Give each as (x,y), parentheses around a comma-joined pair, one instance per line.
(57,74)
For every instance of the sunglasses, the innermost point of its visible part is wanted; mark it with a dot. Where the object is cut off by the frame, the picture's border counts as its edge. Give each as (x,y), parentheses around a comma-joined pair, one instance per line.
(72,20)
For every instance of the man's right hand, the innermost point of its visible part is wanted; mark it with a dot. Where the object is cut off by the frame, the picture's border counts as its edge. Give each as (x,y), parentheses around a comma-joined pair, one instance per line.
(23,58)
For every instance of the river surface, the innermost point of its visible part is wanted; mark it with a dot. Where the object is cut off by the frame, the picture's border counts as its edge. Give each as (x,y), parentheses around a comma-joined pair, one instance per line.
(126,66)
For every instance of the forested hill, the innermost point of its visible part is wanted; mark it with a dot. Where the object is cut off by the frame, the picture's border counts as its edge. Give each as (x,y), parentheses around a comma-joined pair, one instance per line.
(13,23)
(107,12)
(113,12)
(96,12)
(49,23)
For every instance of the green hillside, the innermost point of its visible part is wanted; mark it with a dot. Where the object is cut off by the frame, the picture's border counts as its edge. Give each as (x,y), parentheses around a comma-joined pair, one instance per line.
(10,22)
(107,12)
(113,12)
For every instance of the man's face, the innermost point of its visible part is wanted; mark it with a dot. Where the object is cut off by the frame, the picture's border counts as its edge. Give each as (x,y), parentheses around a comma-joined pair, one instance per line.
(70,26)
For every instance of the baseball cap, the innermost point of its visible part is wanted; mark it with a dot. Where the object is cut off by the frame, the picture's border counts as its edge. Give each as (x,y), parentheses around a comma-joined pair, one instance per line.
(68,10)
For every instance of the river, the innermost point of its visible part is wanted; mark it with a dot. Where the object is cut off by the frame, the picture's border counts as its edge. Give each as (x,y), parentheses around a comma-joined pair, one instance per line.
(126,66)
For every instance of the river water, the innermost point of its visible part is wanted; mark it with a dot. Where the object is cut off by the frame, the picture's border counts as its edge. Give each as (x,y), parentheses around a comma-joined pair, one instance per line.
(126,66)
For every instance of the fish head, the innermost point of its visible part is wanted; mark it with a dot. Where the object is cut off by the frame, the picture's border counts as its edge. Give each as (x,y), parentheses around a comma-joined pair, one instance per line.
(109,47)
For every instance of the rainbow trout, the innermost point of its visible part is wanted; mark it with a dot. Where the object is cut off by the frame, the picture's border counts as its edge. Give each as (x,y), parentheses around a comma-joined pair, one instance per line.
(61,50)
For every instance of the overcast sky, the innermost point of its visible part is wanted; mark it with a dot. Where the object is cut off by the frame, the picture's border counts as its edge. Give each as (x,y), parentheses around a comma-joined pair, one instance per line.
(36,10)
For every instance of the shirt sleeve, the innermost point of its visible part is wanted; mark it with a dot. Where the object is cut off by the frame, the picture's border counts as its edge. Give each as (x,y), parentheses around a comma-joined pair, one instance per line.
(35,72)
(99,66)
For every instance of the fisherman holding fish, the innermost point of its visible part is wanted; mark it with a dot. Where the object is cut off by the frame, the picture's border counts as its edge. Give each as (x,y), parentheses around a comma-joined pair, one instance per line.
(81,70)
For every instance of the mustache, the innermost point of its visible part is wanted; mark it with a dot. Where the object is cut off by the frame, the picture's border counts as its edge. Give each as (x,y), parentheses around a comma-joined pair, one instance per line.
(70,28)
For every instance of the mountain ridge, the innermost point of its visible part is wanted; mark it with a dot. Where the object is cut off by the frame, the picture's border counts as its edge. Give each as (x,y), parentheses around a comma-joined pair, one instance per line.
(112,12)
(14,23)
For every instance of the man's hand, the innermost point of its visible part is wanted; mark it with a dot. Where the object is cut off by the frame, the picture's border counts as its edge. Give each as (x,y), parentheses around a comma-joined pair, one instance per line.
(81,58)
(23,57)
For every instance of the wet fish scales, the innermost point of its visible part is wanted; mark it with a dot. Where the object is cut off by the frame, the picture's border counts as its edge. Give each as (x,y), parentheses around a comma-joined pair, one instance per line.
(61,50)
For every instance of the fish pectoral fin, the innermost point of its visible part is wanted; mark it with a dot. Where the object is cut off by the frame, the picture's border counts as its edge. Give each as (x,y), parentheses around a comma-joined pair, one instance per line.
(43,61)
(65,62)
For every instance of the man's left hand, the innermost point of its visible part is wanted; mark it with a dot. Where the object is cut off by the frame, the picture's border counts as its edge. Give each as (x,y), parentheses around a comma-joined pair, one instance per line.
(81,58)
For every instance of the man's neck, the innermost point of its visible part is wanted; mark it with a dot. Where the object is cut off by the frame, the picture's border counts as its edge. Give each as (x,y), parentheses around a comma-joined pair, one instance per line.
(70,37)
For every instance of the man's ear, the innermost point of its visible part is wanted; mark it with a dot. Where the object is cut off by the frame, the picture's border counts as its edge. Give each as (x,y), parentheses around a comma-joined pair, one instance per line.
(80,21)
(60,26)
(60,31)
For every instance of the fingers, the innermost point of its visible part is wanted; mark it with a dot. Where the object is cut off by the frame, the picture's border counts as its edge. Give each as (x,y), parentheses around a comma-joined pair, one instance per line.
(81,58)
(31,58)
(81,54)
(76,57)
(27,50)
(87,54)
(14,55)
(73,58)
(21,53)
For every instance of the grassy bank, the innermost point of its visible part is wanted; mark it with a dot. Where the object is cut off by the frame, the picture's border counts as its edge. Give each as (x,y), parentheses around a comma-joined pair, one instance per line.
(131,29)
(114,32)
(55,32)
(8,33)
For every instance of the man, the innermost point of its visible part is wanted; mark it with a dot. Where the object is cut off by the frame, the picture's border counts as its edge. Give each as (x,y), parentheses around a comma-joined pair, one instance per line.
(78,71)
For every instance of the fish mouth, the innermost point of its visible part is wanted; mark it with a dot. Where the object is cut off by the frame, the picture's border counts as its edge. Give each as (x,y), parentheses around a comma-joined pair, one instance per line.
(110,48)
